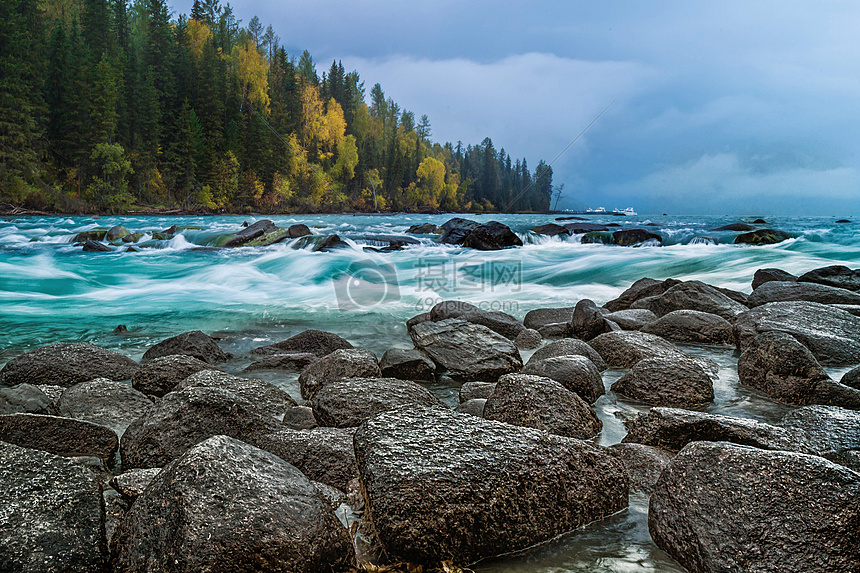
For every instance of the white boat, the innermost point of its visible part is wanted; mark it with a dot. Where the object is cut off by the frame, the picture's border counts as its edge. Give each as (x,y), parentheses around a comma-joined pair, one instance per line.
(628,211)
(598,210)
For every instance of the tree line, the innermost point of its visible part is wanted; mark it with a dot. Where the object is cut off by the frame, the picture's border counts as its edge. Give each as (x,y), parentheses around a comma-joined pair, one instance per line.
(108,105)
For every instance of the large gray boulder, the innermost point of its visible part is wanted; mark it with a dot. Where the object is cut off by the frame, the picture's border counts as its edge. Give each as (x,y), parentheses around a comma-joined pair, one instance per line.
(723,507)
(161,375)
(456,229)
(643,288)
(347,402)
(762,276)
(499,322)
(25,399)
(105,402)
(228,506)
(692,295)
(296,361)
(467,351)
(310,341)
(543,404)
(194,343)
(347,363)
(677,382)
(66,364)
(576,373)
(265,396)
(541,317)
(446,486)
(323,454)
(631,318)
(643,464)
(623,349)
(51,517)
(65,437)
(827,429)
(491,236)
(783,291)
(776,364)
(692,326)
(588,321)
(185,418)
(568,347)
(671,429)
(832,334)
(406,364)
(836,276)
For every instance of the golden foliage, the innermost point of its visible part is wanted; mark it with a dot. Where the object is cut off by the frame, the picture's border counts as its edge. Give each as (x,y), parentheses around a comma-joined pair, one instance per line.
(198,35)
(253,75)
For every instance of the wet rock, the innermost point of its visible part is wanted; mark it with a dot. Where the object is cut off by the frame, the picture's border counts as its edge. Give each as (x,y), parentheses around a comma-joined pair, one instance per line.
(311,341)
(722,507)
(829,431)
(331,243)
(849,308)
(424,229)
(66,364)
(498,322)
(323,454)
(300,418)
(692,295)
(25,398)
(551,230)
(53,392)
(298,230)
(473,407)
(194,343)
(762,276)
(740,227)
(643,464)
(576,373)
(115,508)
(630,237)
(65,437)
(581,228)
(92,235)
(643,288)
(347,402)
(265,396)
(438,483)
(674,382)
(540,317)
(451,309)
(52,518)
(558,330)
(692,326)
(251,232)
(116,233)
(632,318)
(851,378)
(762,237)
(528,339)
(671,429)
(455,230)
(295,361)
(228,506)
(96,247)
(417,319)
(569,347)
(104,402)
(476,390)
(185,418)
(843,221)
(333,497)
(832,334)
(625,348)
(351,363)
(406,365)
(467,351)
(779,291)
(132,483)
(161,375)
(543,404)
(836,276)
(491,236)
(588,321)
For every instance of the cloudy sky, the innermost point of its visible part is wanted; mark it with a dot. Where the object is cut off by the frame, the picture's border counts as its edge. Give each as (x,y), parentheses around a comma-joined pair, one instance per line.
(731,107)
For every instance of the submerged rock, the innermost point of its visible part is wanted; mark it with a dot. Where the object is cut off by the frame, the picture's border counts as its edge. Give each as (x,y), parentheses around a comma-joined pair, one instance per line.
(66,364)
(762,237)
(441,485)
(723,507)
(96,247)
(741,227)
(456,229)
(312,341)
(194,343)
(630,237)
(260,234)
(331,243)
(424,229)
(551,230)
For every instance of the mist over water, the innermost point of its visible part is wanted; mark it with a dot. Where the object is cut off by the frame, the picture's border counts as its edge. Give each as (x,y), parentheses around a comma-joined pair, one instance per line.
(52,291)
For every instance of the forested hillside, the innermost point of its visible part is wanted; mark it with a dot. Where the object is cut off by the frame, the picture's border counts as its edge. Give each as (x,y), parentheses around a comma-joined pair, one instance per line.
(109,106)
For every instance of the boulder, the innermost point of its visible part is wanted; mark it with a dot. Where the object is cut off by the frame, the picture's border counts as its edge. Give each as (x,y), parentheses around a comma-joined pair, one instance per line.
(132,483)
(298,230)
(331,243)
(25,399)
(848,458)
(116,233)
(252,232)
(783,291)
(692,295)
(576,373)
(832,334)
(476,390)
(194,343)
(66,364)
(450,309)
(740,227)
(161,375)
(228,506)
(424,229)
(351,363)
(836,276)
(673,382)
(499,322)
(265,396)
(52,518)
(692,326)
(582,228)
(851,378)
(762,276)
(491,236)
(347,402)
(473,407)
(300,418)
(543,404)
(735,295)
(311,341)
(723,507)
(550,229)
(96,247)
(185,418)
(630,237)
(827,429)
(558,330)
(455,230)
(104,402)
(671,429)
(643,464)
(625,348)
(540,317)
(643,288)
(528,339)
(406,365)
(633,318)
(295,361)
(588,321)
(777,365)
(417,319)
(65,437)
(569,347)
(322,454)
(762,237)
(91,235)
(467,351)
(442,485)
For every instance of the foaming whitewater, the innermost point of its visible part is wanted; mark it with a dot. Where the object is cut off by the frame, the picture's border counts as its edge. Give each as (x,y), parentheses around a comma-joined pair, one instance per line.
(52,291)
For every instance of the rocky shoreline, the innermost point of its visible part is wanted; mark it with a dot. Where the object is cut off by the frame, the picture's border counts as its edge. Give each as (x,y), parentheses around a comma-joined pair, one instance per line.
(180,463)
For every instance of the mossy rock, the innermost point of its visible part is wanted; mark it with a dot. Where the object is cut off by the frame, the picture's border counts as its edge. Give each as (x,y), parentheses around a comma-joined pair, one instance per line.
(762,237)
(91,235)
(269,239)
(598,237)
(133,238)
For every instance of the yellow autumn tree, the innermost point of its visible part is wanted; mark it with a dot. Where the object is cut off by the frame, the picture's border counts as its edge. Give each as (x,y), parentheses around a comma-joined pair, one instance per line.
(431,182)
(198,35)
(312,116)
(253,75)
